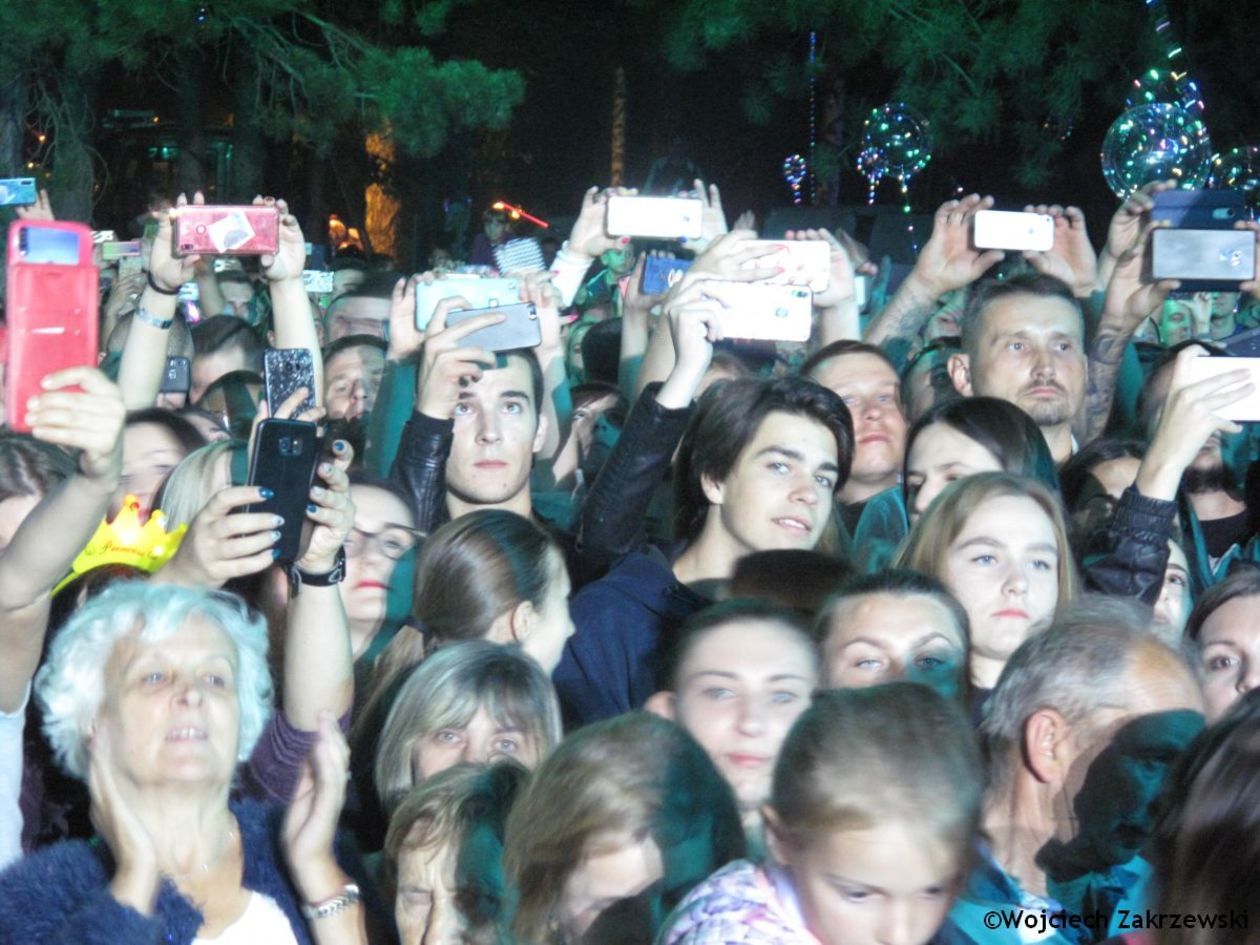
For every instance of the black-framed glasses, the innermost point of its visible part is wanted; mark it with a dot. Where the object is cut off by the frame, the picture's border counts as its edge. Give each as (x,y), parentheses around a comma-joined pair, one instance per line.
(393,542)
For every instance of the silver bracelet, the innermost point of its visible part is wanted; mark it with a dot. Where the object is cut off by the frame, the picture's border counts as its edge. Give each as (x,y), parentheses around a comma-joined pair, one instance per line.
(348,896)
(150,319)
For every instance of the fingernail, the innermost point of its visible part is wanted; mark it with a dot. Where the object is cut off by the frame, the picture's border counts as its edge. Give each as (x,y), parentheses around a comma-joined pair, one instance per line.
(266,493)
(325,468)
(275,536)
(624,240)
(318,492)
(275,552)
(312,507)
(339,446)
(277,520)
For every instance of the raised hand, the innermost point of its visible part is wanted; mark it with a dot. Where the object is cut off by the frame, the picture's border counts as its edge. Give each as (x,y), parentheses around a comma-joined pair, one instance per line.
(311,820)
(1072,257)
(712,217)
(89,420)
(725,258)
(405,340)
(1130,296)
(116,819)
(447,367)
(222,544)
(41,209)
(290,257)
(948,260)
(167,270)
(331,510)
(587,238)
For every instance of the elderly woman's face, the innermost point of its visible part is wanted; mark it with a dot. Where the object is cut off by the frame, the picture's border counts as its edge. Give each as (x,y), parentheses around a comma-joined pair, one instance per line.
(425,908)
(172,707)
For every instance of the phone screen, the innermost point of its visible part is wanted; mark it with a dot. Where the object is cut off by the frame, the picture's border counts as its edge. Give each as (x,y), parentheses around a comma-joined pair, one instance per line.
(40,245)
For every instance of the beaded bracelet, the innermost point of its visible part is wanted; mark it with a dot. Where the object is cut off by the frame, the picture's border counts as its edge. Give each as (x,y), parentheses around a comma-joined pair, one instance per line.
(150,319)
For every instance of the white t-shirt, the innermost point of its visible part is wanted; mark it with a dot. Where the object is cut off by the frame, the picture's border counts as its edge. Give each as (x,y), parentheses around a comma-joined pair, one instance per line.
(11,725)
(262,921)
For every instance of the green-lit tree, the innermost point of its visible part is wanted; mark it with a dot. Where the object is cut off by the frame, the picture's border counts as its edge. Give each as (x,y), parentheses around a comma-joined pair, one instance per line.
(297,70)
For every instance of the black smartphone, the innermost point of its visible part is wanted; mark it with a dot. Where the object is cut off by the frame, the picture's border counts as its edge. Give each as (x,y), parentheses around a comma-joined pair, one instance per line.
(285,455)
(178,377)
(284,371)
(1204,260)
(1200,209)
(519,328)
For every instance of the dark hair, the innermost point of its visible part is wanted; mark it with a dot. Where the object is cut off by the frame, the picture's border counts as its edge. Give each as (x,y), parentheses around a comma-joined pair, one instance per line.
(344,262)
(635,773)
(790,577)
(188,436)
(1242,582)
(1076,472)
(334,348)
(728,417)
(987,291)
(1015,441)
(1203,849)
(896,582)
(699,625)
(839,348)
(220,332)
(601,351)
(29,467)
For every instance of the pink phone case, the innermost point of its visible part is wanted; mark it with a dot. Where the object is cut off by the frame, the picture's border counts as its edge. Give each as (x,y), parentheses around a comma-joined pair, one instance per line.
(226,231)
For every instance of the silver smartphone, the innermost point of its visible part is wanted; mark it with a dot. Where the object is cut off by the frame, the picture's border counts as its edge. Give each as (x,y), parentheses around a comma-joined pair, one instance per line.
(1018,232)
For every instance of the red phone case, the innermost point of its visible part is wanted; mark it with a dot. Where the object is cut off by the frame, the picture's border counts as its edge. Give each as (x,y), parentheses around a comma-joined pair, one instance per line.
(52,314)
(226,231)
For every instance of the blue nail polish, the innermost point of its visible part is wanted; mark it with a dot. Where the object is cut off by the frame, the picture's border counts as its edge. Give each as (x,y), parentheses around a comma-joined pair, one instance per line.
(339,446)
(266,493)
(312,507)
(275,552)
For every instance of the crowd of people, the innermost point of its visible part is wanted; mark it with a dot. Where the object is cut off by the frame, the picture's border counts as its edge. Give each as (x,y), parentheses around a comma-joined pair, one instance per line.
(939,627)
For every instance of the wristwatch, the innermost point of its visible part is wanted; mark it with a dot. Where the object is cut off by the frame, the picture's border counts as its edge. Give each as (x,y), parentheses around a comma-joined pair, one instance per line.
(298,577)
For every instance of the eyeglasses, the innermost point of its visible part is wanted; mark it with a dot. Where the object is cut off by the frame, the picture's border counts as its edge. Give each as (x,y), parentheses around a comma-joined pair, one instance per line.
(393,542)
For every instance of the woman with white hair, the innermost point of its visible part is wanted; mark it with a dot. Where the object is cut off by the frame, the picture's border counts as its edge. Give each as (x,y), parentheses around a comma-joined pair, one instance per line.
(153,695)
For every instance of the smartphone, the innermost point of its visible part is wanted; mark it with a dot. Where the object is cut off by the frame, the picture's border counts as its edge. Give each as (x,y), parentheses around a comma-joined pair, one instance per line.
(660,218)
(862,290)
(519,328)
(1203,260)
(804,262)
(317,281)
(226,231)
(177,378)
(1246,410)
(285,455)
(1245,344)
(115,249)
(284,371)
(51,308)
(660,274)
(130,264)
(17,191)
(765,312)
(1200,209)
(1019,232)
(481,293)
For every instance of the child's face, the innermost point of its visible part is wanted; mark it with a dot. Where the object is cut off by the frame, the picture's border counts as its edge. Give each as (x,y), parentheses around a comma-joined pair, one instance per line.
(865,887)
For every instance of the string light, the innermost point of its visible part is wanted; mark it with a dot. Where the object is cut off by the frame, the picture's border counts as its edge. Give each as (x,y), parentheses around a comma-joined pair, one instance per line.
(795,170)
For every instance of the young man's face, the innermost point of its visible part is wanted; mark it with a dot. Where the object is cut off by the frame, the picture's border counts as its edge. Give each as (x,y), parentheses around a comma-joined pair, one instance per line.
(1030,352)
(497,432)
(780,491)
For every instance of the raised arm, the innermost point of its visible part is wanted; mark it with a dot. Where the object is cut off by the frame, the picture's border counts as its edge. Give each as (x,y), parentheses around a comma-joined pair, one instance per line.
(144,355)
(946,262)
(58,528)
(290,308)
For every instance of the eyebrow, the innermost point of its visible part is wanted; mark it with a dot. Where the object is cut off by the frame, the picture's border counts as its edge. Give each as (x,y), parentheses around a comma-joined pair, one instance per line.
(722,674)
(514,394)
(917,643)
(796,455)
(995,543)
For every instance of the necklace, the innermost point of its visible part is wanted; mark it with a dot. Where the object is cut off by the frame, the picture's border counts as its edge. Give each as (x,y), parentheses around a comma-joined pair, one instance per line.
(209,864)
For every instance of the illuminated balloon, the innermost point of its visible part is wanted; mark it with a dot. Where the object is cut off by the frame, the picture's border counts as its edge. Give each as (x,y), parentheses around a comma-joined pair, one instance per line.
(795,172)
(1238,169)
(1165,85)
(896,142)
(1155,142)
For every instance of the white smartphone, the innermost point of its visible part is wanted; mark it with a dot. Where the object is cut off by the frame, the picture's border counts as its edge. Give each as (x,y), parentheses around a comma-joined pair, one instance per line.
(658,218)
(317,281)
(480,292)
(1246,410)
(1003,229)
(764,312)
(804,262)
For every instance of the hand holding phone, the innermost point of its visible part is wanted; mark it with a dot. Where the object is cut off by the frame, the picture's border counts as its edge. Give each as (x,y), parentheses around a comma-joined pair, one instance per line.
(284,371)
(282,465)
(52,306)
(519,327)
(1211,260)
(665,218)
(227,230)
(1018,232)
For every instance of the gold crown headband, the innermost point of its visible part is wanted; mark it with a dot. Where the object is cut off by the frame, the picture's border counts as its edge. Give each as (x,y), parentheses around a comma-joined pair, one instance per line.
(125,541)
